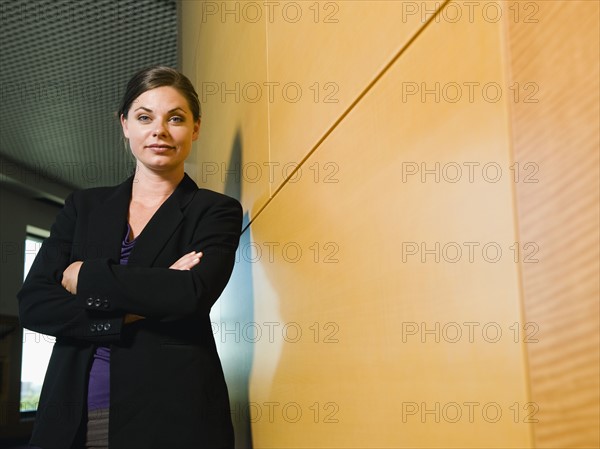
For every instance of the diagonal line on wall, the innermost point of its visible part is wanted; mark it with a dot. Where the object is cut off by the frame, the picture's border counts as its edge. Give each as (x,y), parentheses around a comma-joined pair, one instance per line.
(352,105)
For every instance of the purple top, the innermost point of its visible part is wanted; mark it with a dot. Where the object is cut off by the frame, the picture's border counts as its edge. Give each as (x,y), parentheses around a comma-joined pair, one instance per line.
(99,382)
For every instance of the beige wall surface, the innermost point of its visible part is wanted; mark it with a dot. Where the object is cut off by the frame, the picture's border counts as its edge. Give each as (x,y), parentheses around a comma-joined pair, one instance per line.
(380,295)
(320,65)
(228,70)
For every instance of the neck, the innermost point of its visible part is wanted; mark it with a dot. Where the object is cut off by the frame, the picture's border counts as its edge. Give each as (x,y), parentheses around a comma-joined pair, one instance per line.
(156,185)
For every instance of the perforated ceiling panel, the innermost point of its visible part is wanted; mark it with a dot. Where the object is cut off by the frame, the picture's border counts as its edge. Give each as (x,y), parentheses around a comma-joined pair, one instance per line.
(64,66)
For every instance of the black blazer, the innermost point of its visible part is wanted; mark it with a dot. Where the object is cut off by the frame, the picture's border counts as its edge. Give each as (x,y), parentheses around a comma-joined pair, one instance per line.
(167,388)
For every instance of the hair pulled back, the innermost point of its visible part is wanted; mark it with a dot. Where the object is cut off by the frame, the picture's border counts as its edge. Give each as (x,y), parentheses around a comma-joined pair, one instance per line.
(159,76)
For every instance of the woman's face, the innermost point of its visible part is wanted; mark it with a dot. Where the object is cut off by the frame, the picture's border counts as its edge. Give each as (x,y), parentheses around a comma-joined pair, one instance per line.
(160,128)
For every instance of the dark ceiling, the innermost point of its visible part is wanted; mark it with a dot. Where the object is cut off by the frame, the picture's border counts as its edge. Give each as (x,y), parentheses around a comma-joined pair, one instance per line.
(64,65)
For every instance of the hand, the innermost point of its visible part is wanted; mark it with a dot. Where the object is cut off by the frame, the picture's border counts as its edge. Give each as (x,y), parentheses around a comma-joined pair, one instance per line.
(69,278)
(187,261)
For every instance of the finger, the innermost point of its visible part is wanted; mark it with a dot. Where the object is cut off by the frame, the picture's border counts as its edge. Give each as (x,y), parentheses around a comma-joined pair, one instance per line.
(192,263)
(187,261)
(195,254)
(187,257)
(181,261)
(185,264)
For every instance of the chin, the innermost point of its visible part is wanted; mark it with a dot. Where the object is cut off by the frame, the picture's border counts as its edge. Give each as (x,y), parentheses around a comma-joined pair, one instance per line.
(164,167)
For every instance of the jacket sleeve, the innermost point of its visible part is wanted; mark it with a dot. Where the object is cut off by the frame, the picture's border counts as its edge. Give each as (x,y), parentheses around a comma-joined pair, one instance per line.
(165,294)
(44,304)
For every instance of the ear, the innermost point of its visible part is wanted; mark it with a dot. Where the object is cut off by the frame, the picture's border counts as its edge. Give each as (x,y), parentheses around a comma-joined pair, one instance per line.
(196,131)
(124,126)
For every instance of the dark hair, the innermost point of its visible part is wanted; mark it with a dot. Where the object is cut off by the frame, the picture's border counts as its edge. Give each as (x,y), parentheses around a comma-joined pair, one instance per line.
(159,76)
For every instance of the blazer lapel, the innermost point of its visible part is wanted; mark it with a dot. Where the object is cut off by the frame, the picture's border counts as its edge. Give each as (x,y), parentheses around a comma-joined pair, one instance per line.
(108,222)
(163,224)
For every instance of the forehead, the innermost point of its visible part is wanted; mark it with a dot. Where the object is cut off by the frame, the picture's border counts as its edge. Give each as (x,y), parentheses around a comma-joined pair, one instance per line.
(161,98)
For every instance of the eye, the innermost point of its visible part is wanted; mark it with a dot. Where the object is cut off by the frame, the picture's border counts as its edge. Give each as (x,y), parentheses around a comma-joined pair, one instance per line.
(143,118)
(176,119)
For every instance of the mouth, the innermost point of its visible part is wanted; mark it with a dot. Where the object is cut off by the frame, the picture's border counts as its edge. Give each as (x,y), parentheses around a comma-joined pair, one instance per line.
(160,148)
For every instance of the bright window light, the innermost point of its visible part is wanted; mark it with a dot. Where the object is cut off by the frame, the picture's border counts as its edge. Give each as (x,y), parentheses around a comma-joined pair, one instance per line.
(36,347)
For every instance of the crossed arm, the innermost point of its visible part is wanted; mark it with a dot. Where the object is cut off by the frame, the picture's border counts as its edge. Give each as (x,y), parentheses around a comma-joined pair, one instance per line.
(71,273)
(92,300)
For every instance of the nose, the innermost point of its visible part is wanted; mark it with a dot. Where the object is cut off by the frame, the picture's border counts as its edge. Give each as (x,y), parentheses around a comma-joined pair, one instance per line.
(159,130)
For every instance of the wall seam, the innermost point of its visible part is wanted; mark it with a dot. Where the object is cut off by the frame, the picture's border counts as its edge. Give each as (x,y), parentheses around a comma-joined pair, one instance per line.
(508,77)
(345,113)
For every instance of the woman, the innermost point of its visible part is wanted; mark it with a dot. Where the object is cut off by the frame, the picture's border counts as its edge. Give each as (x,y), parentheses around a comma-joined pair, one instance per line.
(126,281)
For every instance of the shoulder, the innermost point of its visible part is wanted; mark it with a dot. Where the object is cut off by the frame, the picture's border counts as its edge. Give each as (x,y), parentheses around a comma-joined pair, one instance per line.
(91,196)
(189,194)
(209,203)
(214,212)
(212,197)
(205,197)
(85,200)
(94,192)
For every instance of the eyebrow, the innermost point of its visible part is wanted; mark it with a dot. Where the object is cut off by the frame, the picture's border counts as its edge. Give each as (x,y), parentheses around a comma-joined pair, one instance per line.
(172,110)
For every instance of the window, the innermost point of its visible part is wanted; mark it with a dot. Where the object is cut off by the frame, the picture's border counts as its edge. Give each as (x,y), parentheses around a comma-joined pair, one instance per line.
(36,347)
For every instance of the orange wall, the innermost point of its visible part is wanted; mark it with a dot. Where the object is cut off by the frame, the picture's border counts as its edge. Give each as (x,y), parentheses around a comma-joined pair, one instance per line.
(377,300)
(555,135)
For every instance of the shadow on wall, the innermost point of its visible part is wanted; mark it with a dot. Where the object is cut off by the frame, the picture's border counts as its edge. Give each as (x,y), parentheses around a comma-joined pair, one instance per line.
(237,311)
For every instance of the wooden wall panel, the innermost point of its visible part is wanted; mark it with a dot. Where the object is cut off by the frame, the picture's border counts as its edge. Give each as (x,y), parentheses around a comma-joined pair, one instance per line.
(556,132)
(322,55)
(342,368)
(347,379)
(229,69)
